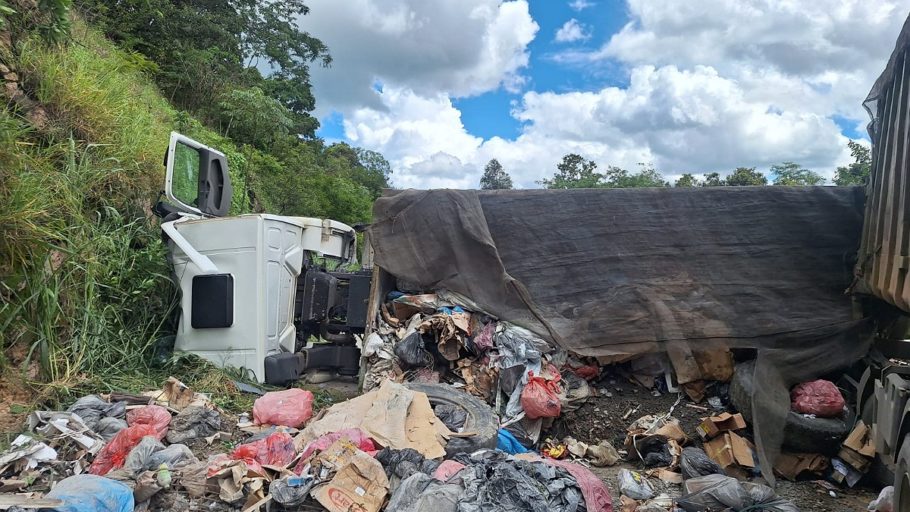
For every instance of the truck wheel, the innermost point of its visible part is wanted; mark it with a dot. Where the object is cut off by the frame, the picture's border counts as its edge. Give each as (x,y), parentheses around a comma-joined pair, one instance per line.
(801,434)
(902,478)
(481,419)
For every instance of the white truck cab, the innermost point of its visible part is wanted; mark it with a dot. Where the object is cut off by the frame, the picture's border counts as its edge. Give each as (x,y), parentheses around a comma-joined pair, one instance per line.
(239,275)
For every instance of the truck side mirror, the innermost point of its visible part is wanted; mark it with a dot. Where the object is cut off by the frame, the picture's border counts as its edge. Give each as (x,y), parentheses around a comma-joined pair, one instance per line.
(197,179)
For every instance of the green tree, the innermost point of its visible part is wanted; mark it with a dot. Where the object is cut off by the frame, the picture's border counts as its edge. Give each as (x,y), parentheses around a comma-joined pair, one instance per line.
(253,117)
(574,172)
(713,179)
(647,176)
(687,180)
(856,173)
(495,177)
(744,177)
(793,174)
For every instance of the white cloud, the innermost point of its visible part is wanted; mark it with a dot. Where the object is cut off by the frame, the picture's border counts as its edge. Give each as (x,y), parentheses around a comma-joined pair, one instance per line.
(458,47)
(711,86)
(570,32)
(580,5)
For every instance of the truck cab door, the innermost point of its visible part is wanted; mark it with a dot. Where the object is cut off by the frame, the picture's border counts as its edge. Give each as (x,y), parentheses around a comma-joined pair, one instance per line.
(197,180)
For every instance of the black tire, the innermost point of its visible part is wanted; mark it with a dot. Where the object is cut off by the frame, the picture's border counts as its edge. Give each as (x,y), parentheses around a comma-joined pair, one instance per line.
(480,417)
(801,434)
(902,478)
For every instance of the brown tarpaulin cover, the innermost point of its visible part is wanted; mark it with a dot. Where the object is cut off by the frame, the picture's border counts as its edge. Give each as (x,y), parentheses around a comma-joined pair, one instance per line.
(607,271)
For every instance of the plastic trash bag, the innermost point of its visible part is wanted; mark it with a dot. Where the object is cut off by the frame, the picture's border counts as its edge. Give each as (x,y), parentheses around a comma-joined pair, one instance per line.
(411,352)
(155,415)
(91,493)
(275,450)
(194,422)
(716,492)
(173,456)
(108,427)
(884,502)
(694,463)
(540,398)
(93,409)
(291,408)
(139,456)
(114,453)
(447,470)
(291,491)
(818,397)
(452,416)
(634,485)
(508,443)
(420,492)
(768,499)
(483,341)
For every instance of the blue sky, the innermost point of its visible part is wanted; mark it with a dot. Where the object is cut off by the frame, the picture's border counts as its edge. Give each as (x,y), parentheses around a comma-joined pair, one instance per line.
(686,86)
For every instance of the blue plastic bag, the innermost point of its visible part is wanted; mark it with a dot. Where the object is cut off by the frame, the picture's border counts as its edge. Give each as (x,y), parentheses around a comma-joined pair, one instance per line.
(509,444)
(92,493)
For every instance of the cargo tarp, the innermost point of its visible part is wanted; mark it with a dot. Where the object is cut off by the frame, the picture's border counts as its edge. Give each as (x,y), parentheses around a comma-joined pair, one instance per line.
(611,271)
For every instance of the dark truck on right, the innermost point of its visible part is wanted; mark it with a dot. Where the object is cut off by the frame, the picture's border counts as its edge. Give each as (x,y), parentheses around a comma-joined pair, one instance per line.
(881,288)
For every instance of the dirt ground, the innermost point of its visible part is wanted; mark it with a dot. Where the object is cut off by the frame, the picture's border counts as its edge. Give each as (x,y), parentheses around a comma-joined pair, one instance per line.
(601,417)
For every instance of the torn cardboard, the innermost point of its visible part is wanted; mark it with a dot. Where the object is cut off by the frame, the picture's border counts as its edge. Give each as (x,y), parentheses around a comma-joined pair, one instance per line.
(392,415)
(709,428)
(732,452)
(792,465)
(360,482)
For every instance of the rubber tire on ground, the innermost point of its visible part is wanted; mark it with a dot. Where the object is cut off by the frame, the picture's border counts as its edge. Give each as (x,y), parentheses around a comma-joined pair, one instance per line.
(902,478)
(480,416)
(801,434)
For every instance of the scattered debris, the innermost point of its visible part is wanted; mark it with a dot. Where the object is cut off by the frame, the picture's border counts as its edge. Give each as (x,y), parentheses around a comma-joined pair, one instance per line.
(635,485)
(291,408)
(792,465)
(733,453)
(724,422)
(884,502)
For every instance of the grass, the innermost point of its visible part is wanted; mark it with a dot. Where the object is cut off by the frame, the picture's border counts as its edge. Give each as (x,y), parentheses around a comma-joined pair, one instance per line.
(85,293)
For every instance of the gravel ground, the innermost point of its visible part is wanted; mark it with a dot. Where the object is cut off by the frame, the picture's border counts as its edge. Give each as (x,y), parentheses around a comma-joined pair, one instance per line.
(602,418)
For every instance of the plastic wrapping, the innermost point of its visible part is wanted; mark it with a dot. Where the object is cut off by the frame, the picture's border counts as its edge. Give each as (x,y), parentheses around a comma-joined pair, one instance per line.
(694,463)
(91,493)
(451,415)
(139,456)
(717,492)
(108,427)
(291,491)
(291,408)
(354,435)
(114,453)
(634,485)
(275,450)
(173,456)
(194,422)
(884,502)
(154,415)
(92,409)
(419,493)
(540,398)
(411,352)
(508,443)
(818,397)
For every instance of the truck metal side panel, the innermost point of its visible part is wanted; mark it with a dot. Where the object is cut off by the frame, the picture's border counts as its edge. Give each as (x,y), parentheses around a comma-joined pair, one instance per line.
(884,254)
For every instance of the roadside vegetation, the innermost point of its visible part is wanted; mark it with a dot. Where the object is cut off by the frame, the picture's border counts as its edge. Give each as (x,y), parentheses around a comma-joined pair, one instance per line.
(86,302)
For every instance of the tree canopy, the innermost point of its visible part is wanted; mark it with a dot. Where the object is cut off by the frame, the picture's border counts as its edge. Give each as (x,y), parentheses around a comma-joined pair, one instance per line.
(574,171)
(792,174)
(856,173)
(495,177)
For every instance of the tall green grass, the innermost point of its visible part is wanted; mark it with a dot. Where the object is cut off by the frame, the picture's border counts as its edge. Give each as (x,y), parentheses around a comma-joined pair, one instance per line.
(85,293)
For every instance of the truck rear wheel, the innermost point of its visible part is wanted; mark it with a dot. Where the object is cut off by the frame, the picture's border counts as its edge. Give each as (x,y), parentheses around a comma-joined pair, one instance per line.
(902,478)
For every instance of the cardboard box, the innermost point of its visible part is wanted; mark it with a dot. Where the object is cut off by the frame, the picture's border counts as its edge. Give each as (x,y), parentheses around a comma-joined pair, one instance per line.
(724,422)
(730,450)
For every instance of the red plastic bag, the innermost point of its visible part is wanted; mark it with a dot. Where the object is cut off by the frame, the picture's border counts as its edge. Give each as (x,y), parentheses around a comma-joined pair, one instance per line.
(291,408)
(275,450)
(819,397)
(154,415)
(540,398)
(114,453)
